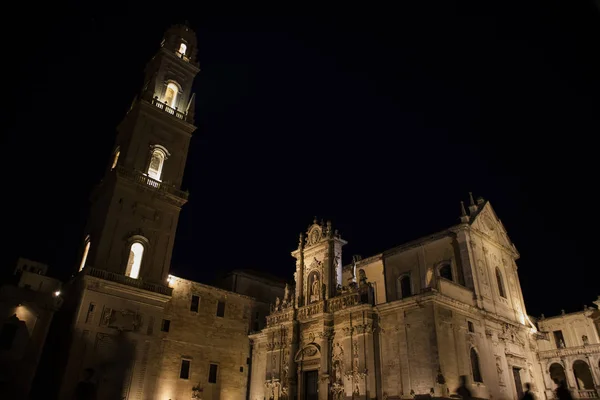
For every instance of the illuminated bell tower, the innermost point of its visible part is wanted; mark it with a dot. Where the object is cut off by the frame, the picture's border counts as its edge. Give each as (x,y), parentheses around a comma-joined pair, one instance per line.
(318,264)
(135,209)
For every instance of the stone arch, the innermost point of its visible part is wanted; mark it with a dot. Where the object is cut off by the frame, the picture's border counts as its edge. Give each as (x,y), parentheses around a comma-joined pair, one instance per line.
(557,373)
(444,270)
(311,350)
(583,375)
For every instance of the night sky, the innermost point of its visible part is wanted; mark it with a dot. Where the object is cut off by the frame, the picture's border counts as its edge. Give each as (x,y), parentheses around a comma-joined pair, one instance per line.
(379,120)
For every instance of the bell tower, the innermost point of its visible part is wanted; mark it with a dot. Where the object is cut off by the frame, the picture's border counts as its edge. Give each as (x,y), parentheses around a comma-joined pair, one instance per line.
(318,263)
(135,208)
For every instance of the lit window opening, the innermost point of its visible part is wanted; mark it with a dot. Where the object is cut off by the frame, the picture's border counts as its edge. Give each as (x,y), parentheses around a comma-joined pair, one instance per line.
(86,250)
(182,48)
(135,260)
(116,158)
(171,95)
(157,161)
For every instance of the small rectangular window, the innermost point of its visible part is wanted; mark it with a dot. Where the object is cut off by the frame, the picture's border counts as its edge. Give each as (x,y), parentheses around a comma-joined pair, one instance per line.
(212,373)
(221,309)
(184,373)
(255,327)
(89,318)
(195,303)
(241,369)
(471,327)
(166,324)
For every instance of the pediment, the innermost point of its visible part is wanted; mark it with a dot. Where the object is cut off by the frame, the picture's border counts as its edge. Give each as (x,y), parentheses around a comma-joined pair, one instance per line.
(487,223)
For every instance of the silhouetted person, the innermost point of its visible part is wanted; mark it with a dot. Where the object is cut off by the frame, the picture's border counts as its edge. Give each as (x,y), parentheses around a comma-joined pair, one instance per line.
(562,391)
(86,389)
(462,390)
(528,393)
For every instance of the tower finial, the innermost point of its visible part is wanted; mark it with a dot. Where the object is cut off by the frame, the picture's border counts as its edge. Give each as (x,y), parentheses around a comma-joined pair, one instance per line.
(472,205)
(315,220)
(464,218)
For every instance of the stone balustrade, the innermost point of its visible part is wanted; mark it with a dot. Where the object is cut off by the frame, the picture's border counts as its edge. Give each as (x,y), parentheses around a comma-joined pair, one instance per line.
(126,280)
(310,310)
(143,179)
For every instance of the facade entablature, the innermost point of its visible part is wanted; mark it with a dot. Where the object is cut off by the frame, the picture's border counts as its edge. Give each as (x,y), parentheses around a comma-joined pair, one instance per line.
(570,351)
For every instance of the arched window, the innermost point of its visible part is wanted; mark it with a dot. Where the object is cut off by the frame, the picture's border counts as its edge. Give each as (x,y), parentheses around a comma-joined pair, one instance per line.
(116,155)
(182,48)
(405,286)
(157,160)
(445,271)
(171,95)
(86,250)
(500,282)
(583,375)
(557,373)
(134,262)
(475,366)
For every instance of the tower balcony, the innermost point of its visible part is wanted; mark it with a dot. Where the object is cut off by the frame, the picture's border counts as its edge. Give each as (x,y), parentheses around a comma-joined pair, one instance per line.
(144,180)
(168,109)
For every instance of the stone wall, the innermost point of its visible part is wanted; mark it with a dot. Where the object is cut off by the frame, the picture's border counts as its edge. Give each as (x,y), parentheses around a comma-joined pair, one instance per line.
(204,338)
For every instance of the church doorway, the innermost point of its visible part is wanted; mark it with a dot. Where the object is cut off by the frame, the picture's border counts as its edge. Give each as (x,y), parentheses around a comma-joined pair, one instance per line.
(311,382)
(518,383)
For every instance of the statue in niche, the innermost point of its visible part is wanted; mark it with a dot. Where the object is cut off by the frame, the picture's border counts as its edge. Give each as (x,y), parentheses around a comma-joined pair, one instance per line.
(362,277)
(315,289)
(585,340)
(500,371)
(429,277)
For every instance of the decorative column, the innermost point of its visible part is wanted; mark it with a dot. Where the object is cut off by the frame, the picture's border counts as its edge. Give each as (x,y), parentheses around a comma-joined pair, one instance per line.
(324,370)
(366,350)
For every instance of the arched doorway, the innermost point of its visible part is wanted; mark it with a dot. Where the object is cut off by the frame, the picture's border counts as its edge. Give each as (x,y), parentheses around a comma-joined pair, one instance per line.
(557,373)
(583,375)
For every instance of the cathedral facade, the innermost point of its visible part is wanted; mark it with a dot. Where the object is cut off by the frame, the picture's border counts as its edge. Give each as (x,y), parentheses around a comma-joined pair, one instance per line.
(406,323)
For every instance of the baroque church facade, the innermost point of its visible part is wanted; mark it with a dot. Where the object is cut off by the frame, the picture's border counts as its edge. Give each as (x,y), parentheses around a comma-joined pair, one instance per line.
(409,322)
(405,323)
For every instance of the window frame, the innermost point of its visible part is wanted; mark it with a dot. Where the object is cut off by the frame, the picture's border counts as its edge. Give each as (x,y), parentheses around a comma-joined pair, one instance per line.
(189,368)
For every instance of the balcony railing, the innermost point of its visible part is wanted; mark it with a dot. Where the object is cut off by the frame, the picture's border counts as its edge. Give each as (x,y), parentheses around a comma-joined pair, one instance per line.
(125,280)
(585,394)
(143,179)
(310,310)
(168,109)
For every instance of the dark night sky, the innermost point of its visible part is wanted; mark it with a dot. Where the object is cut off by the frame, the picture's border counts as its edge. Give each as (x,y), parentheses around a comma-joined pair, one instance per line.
(380,120)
